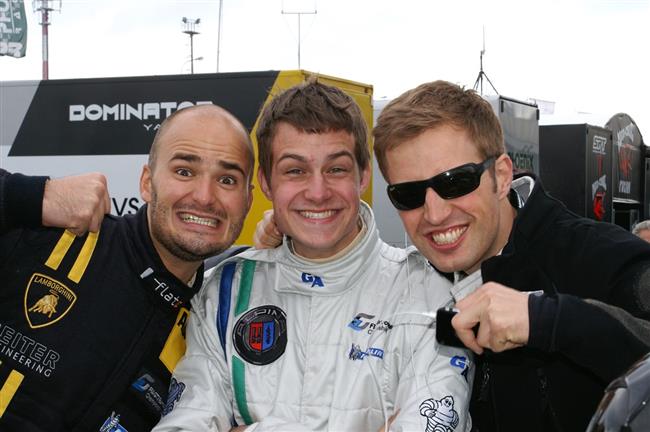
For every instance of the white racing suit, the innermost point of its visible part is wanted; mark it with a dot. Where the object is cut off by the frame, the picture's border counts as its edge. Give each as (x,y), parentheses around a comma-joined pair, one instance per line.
(283,344)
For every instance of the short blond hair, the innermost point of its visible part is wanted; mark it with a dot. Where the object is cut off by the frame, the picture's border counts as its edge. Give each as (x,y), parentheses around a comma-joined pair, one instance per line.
(435,104)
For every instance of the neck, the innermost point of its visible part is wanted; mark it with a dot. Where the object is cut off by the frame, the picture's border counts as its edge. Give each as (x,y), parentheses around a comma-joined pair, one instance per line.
(183,270)
(507,215)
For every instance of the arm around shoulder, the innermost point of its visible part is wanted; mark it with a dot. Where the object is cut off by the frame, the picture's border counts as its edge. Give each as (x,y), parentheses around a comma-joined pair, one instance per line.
(21,200)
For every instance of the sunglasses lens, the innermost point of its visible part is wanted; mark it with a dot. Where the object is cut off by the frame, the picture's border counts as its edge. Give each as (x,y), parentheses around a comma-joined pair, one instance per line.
(450,184)
(407,196)
(457,184)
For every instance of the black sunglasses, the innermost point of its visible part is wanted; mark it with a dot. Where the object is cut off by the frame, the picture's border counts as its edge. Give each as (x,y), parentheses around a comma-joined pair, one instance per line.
(450,184)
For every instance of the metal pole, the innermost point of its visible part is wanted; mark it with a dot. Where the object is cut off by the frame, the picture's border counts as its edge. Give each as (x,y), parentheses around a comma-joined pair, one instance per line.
(299,13)
(190,30)
(44,25)
(219,34)
(192,53)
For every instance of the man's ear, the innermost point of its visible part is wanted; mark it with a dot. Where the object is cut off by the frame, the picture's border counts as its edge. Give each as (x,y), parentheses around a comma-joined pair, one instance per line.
(503,173)
(365,178)
(266,188)
(145,184)
(250,197)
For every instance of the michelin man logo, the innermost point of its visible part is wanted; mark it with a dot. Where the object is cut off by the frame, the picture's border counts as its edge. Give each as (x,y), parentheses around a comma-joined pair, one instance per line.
(441,415)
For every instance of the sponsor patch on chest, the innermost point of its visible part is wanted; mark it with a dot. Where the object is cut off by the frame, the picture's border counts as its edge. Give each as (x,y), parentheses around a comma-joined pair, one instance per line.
(260,335)
(46,300)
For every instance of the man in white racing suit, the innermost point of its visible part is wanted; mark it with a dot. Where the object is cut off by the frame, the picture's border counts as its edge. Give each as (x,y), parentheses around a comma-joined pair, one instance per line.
(335,329)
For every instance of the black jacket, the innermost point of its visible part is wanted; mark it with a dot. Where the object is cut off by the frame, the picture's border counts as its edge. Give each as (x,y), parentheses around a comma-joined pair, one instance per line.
(88,330)
(576,346)
(21,200)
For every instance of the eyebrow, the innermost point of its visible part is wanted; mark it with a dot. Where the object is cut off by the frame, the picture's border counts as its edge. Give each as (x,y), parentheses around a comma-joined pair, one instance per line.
(300,158)
(192,158)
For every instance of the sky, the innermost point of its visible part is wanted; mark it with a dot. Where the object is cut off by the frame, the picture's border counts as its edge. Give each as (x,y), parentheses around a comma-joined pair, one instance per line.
(590,57)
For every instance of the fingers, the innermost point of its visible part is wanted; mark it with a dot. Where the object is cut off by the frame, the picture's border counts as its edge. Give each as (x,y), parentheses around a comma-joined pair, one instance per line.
(267,235)
(464,323)
(77,203)
(501,314)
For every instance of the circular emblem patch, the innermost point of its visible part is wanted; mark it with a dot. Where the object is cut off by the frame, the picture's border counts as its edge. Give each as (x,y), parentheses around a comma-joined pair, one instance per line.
(260,335)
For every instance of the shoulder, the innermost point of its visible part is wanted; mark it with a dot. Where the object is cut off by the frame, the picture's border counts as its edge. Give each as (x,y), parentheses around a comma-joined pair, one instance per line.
(398,255)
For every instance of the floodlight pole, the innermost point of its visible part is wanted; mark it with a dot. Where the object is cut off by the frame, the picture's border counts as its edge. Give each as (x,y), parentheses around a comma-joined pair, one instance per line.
(299,14)
(45,7)
(189,26)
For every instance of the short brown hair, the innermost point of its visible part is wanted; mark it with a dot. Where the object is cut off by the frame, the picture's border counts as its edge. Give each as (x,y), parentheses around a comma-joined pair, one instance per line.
(436,104)
(312,107)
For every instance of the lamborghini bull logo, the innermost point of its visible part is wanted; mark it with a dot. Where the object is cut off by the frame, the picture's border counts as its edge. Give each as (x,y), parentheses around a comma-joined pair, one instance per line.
(46,300)
(46,305)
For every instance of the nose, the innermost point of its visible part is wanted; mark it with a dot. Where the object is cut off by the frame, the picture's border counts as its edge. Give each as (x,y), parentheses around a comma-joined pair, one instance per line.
(205,191)
(317,188)
(436,209)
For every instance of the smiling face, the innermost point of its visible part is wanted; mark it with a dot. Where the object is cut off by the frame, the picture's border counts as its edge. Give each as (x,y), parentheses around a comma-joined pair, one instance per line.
(455,234)
(198,188)
(315,186)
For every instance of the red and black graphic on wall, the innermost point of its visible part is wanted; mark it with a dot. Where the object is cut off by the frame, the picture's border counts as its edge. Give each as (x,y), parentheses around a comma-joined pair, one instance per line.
(599,159)
(627,167)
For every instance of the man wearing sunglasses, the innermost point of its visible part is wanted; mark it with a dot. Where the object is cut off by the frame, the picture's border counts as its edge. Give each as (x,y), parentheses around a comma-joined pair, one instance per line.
(555,306)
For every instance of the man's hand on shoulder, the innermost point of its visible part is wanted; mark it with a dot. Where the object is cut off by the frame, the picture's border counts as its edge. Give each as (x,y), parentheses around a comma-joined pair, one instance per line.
(501,314)
(267,235)
(77,203)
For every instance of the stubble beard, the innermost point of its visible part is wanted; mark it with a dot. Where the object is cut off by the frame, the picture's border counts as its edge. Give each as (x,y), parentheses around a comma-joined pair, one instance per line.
(193,247)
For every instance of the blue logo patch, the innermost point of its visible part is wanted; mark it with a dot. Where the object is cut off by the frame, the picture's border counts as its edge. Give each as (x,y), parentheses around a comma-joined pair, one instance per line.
(362,322)
(459,362)
(358,324)
(357,354)
(462,363)
(314,280)
(112,424)
(145,386)
(143,383)
(175,392)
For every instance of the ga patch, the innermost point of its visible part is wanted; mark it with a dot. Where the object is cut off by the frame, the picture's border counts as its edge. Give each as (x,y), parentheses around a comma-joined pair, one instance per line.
(46,300)
(260,335)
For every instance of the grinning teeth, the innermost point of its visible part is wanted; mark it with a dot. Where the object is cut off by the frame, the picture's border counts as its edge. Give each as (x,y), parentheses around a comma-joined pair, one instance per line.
(448,237)
(317,215)
(198,220)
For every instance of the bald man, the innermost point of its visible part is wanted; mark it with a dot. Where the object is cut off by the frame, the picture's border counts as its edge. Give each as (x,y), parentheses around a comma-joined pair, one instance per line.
(92,326)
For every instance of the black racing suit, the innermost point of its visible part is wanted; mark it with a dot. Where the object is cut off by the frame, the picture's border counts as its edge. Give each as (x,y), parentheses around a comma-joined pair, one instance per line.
(21,200)
(90,328)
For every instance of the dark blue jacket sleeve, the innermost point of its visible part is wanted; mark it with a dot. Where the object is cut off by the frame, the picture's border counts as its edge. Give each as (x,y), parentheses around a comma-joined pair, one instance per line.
(21,200)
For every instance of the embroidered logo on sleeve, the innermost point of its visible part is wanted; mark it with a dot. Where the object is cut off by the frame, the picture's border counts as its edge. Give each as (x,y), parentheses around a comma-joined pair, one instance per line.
(112,424)
(441,415)
(461,363)
(175,392)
